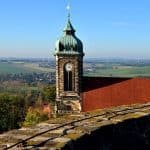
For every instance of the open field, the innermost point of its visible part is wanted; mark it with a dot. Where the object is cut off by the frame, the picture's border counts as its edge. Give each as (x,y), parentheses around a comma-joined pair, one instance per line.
(16,68)
(93,68)
(35,66)
(18,89)
(121,71)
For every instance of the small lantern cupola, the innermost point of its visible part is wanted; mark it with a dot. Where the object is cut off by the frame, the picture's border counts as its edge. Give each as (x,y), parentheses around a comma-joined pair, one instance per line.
(69,43)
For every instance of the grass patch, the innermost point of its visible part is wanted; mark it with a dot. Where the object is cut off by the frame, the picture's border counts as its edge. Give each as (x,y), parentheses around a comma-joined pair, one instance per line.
(16,68)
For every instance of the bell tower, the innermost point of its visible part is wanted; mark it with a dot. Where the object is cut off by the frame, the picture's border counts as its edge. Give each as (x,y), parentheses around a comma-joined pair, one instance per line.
(69,70)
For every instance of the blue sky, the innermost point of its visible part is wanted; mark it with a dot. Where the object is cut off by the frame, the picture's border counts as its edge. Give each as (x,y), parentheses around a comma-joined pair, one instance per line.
(108,28)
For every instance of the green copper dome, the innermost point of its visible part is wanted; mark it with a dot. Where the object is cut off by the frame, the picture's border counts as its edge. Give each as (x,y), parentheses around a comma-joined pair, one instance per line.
(69,43)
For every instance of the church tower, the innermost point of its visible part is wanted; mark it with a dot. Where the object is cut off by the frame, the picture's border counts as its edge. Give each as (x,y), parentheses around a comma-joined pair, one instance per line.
(69,70)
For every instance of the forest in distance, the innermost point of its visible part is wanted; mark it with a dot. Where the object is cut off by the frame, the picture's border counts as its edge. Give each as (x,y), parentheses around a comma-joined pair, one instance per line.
(30,83)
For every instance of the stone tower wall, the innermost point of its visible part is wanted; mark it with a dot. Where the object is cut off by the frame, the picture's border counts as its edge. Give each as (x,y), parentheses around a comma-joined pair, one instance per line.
(61,94)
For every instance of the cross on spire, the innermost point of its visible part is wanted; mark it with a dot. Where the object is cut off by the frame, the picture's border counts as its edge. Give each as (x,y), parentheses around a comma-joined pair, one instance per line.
(68,9)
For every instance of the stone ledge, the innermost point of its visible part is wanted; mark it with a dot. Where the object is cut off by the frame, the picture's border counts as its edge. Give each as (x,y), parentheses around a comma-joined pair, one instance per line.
(80,125)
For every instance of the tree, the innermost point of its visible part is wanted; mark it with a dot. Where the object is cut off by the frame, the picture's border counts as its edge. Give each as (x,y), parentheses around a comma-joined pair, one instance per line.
(12,112)
(49,94)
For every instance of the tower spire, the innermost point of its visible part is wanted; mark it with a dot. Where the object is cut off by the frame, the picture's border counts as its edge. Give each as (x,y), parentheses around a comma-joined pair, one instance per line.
(69,28)
(68,9)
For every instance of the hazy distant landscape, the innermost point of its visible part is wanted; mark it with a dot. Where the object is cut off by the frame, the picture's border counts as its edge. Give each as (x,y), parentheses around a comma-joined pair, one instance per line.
(117,68)
(25,75)
(92,67)
(16,67)
(32,75)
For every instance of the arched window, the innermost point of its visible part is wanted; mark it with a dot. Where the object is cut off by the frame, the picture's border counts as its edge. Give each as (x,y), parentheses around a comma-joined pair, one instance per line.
(68,86)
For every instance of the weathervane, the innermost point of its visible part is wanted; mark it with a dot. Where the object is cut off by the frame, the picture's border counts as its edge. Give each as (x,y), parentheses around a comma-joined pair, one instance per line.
(68,8)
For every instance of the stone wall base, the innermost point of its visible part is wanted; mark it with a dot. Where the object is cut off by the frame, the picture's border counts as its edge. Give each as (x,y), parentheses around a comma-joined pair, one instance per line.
(69,106)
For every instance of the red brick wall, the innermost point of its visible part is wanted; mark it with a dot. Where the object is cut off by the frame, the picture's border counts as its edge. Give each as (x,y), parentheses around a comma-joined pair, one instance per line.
(99,92)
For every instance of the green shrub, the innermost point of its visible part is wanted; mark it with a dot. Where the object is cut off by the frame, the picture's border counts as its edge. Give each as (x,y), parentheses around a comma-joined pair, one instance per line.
(35,116)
